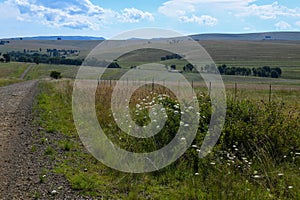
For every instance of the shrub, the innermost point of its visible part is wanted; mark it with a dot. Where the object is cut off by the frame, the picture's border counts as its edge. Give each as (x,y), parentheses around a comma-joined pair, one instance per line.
(55,75)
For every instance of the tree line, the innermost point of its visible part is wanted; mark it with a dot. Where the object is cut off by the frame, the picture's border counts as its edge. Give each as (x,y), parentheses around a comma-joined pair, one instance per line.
(39,58)
(265,71)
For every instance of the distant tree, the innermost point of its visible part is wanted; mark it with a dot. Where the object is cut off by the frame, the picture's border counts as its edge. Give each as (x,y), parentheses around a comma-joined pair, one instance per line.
(188,67)
(6,57)
(278,70)
(113,65)
(55,75)
(163,58)
(2,60)
(222,69)
(274,74)
(36,60)
(173,67)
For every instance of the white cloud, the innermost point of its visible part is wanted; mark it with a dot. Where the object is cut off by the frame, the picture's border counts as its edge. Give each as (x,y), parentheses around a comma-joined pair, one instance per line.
(241,8)
(204,20)
(133,15)
(282,25)
(182,7)
(269,11)
(298,23)
(75,14)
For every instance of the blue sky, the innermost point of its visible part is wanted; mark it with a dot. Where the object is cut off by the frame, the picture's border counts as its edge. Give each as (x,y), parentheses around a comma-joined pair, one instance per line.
(109,18)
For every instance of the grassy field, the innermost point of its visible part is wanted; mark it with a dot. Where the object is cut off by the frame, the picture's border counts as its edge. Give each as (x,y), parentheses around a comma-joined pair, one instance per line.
(11,72)
(257,156)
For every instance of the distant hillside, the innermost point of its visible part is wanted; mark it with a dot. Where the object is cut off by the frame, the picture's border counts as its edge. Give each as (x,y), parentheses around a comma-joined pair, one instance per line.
(249,36)
(209,36)
(58,38)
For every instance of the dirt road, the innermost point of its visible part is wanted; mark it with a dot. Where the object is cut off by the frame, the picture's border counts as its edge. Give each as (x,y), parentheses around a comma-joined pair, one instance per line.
(15,107)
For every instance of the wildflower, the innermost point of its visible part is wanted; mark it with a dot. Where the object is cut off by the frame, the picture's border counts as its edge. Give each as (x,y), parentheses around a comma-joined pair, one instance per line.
(190,107)
(290,186)
(183,138)
(194,146)
(54,192)
(176,112)
(280,174)
(186,125)
(212,163)
(196,174)
(256,176)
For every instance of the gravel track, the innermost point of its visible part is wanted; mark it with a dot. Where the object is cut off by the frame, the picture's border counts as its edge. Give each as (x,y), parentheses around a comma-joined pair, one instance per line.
(15,107)
(22,157)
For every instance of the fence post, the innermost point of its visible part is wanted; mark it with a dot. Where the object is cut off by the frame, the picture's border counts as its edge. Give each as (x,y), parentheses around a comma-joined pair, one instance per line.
(270,93)
(209,90)
(152,84)
(235,91)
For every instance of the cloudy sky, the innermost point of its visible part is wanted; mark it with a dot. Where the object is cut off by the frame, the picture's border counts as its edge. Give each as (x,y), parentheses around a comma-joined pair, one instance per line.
(109,18)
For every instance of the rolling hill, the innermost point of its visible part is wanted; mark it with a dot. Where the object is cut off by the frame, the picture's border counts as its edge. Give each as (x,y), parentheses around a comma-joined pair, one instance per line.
(249,36)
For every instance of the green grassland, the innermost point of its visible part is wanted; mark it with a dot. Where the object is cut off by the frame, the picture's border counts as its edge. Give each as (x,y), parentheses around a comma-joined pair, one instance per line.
(11,72)
(256,156)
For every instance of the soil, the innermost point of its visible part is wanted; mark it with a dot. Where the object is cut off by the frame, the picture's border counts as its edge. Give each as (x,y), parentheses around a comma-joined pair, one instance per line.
(25,171)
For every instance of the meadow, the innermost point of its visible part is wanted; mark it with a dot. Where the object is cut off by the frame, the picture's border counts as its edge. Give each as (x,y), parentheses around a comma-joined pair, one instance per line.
(256,157)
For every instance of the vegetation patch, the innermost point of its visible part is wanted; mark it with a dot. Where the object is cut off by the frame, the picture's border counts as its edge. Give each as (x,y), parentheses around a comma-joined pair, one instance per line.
(256,157)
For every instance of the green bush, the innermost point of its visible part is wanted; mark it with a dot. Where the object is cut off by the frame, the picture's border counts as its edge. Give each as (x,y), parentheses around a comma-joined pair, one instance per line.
(55,75)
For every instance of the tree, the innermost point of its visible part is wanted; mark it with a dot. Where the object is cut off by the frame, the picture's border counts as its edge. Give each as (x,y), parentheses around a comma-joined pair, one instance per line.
(173,67)
(2,60)
(222,69)
(188,67)
(113,65)
(274,74)
(278,70)
(55,75)
(6,57)
(36,60)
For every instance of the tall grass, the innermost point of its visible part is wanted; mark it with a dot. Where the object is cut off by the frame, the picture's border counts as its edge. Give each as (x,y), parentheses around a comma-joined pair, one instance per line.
(256,157)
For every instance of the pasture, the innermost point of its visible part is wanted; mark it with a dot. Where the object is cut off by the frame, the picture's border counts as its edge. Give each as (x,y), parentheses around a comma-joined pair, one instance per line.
(256,157)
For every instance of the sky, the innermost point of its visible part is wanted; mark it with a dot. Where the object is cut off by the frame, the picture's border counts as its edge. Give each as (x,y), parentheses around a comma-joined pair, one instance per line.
(21,18)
